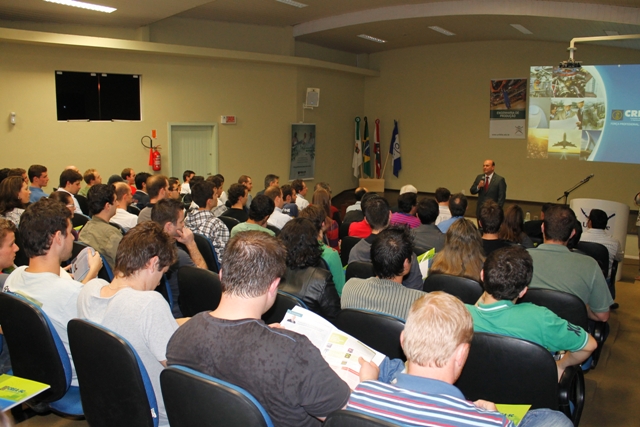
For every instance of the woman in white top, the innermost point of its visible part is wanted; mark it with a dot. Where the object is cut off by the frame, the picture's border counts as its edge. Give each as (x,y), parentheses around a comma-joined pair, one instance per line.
(14,196)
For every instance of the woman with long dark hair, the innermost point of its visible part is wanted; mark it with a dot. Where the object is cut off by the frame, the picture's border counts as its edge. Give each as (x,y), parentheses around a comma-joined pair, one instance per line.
(14,197)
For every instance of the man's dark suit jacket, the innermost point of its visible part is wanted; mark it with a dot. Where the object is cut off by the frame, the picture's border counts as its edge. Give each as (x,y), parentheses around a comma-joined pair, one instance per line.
(497,191)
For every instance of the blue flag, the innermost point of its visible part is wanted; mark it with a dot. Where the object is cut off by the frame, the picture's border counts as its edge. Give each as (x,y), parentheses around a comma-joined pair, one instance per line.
(394,149)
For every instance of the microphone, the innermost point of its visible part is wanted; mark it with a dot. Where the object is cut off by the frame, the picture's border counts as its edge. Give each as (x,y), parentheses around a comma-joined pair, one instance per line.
(589,177)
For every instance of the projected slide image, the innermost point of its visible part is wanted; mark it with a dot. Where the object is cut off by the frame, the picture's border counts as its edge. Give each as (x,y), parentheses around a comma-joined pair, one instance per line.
(572,83)
(537,144)
(564,145)
(588,143)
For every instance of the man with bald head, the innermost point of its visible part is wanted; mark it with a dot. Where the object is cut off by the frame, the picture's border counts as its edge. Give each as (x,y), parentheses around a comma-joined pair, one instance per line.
(123,217)
(489,185)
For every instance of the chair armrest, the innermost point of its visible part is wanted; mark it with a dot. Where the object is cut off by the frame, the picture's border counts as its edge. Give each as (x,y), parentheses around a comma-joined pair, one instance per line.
(571,388)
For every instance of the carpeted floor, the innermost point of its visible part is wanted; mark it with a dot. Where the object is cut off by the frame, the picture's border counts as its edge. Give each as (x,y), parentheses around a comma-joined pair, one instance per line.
(612,389)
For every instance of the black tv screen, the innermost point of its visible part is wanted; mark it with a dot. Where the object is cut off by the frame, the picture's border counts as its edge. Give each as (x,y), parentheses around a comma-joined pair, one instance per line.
(97,96)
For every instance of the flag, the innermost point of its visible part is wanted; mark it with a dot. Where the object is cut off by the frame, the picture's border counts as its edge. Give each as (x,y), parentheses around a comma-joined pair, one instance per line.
(366,150)
(394,148)
(376,148)
(357,152)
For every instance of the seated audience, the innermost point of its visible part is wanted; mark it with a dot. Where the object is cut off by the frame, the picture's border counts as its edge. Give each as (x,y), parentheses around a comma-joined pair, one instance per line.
(220,206)
(169,214)
(173,191)
(301,192)
(596,233)
(281,369)
(505,277)
(70,180)
(237,200)
(248,183)
(123,217)
(129,176)
(67,200)
(335,213)
(490,219)
(203,222)
(289,195)
(391,256)
(407,207)
(556,267)
(329,255)
(140,196)
(14,197)
(462,254)
(306,277)
(442,197)
(270,180)
(436,340)
(222,195)
(428,235)
(261,208)
(129,306)
(458,207)
(39,178)
(358,225)
(91,177)
(8,249)
(512,226)
(533,228)
(357,206)
(322,198)
(157,189)
(98,233)
(377,214)
(45,231)
(277,219)
(186,177)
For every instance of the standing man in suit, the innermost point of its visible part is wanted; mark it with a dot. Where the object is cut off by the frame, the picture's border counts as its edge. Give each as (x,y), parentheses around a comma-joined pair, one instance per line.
(489,185)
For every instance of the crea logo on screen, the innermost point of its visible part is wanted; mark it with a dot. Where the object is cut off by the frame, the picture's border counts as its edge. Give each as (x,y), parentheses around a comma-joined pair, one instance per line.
(619,115)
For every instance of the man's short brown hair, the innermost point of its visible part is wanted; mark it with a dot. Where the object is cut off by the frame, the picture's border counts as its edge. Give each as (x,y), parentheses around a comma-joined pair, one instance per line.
(142,243)
(155,183)
(252,261)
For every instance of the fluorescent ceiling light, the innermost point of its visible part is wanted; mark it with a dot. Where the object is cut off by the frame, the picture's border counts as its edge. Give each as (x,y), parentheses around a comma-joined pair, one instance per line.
(442,30)
(611,33)
(520,28)
(83,5)
(293,3)
(371,38)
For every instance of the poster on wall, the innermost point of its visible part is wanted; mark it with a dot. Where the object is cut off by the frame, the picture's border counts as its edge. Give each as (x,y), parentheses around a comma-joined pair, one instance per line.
(508,103)
(303,151)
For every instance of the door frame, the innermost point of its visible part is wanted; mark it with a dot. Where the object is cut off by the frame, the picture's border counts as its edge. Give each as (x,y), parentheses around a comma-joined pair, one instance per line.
(214,140)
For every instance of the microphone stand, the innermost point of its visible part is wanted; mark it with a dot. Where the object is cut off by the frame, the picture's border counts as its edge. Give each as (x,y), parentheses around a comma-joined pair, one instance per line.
(572,189)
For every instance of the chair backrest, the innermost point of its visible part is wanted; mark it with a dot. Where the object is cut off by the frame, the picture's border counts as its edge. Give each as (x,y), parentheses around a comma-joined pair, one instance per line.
(284,301)
(193,399)
(345,248)
(564,305)
(466,290)
(164,289)
(21,256)
(379,331)
(273,228)
(208,252)
(343,231)
(200,290)
(509,370)
(37,353)
(83,202)
(116,389)
(346,418)
(228,221)
(133,210)
(105,272)
(598,252)
(359,269)
(79,220)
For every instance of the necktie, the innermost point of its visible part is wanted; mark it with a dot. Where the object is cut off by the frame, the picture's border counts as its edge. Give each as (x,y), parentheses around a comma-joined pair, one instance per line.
(486,183)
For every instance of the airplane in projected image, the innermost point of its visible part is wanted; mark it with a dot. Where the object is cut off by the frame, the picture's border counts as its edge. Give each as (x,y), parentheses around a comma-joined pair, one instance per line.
(564,143)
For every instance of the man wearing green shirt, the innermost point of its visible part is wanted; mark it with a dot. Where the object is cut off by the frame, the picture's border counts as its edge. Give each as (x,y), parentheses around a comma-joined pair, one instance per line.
(261,208)
(505,276)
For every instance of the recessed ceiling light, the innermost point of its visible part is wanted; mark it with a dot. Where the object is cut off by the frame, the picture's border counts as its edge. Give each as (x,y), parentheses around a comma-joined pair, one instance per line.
(371,38)
(522,29)
(293,3)
(83,5)
(611,33)
(442,30)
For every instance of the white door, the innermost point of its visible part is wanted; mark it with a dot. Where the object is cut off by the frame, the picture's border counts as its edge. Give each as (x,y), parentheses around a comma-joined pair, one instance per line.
(193,147)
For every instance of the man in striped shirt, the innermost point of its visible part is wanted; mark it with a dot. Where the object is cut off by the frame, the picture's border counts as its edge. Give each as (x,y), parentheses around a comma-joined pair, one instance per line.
(436,341)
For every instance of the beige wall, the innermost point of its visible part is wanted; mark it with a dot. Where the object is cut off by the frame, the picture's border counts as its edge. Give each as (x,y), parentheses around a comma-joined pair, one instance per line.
(440,96)
(266,98)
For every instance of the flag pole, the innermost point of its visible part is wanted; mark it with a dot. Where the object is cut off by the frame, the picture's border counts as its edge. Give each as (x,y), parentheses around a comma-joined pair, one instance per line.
(385,165)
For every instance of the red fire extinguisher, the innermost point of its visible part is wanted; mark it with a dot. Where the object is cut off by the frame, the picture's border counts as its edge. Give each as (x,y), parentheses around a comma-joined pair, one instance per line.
(156,159)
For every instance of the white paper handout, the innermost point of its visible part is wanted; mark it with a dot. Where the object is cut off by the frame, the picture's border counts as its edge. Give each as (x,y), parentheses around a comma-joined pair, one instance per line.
(340,350)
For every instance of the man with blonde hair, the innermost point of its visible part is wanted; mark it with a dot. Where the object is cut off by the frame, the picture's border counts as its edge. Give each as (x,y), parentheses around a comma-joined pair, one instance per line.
(124,198)
(436,340)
